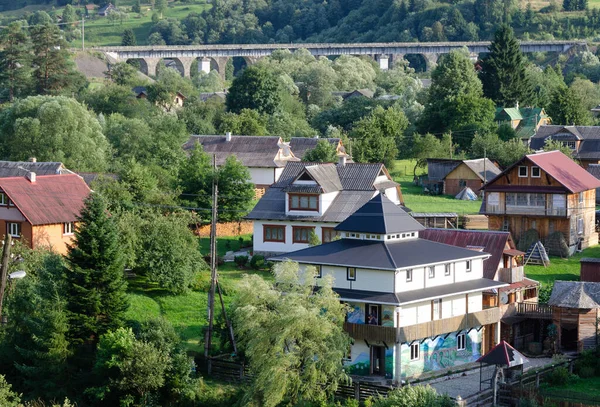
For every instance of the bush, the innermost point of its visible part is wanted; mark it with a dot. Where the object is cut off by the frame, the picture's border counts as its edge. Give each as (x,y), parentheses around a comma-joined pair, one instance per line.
(413,396)
(257,262)
(241,261)
(556,245)
(528,238)
(560,376)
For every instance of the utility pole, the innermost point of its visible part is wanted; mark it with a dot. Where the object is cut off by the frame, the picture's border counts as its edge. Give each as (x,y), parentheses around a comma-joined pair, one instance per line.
(4,270)
(83,33)
(213,261)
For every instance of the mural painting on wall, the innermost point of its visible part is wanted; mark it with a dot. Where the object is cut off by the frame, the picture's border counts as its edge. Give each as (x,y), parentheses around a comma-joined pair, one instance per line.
(361,365)
(441,353)
(356,315)
(388,316)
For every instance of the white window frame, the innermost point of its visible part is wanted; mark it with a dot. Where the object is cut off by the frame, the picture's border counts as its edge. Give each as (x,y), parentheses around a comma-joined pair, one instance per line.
(68,228)
(319,270)
(431,271)
(3,199)
(415,351)
(447,269)
(468,266)
(526,171)
(409,275)
(461,338)
(348,274)
(14,229)
(539,172)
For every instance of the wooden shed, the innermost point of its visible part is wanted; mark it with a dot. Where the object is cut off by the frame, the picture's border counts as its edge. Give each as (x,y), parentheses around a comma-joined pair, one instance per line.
(576,313)
(590,269)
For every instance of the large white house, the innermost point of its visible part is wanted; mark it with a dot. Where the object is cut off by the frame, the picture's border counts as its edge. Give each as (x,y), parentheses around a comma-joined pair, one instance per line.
(415,305)
(315,197)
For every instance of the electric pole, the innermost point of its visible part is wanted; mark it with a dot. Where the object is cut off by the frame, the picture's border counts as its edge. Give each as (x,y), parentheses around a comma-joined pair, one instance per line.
(213,261)
(83,33)
(4,270)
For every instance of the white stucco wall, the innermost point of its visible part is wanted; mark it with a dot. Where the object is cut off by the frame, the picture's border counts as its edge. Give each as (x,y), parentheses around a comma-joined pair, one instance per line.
(452,306)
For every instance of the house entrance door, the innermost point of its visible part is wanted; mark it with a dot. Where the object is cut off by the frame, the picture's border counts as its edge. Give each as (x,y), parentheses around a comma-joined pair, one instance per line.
(378,360)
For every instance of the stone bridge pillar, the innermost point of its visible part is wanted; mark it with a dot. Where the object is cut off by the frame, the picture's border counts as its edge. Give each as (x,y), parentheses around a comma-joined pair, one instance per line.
(187,65)
(431,60)
(151,63)
(221,63)
(384,61)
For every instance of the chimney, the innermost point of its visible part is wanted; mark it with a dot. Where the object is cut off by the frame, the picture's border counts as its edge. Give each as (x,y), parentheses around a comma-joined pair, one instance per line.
(33,160)
(342,160)
(31,177)
(228,136)
(517,104)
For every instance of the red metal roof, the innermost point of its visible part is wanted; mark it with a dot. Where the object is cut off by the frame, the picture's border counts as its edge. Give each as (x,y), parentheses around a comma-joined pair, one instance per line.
(525,283)
(49,200)
(503,355)
(493,242)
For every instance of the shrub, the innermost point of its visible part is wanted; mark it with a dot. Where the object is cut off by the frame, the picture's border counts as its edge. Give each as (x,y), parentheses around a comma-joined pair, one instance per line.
(257,262)
(560,376)
(241,261)
(413,396)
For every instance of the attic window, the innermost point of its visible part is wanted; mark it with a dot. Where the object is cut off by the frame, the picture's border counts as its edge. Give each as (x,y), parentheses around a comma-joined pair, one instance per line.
(305,177)
(522,171)
(304,202)
(535,172)
(3,199)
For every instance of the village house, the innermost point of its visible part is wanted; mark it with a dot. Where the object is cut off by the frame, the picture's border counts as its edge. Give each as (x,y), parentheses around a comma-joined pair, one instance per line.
(525,121)
(265,157)
(584,141)
(22,168)
(547,192)
(450,177)
(106,10)
(594,169)
(141,92)
(415,305)
(42,210)
(505,264)
(315,197)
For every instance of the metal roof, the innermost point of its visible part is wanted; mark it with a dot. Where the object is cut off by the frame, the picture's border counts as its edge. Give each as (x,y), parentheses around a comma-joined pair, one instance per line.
(437,169)
(493,242)
(503,355)
(51,199)
(381,216)
(575,294)
(589,147)
(326,176)
(21,168)
(589,260)
(380,255)
(484,168)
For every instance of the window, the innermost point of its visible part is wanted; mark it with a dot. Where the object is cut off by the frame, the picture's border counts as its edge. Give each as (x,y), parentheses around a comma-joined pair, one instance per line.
(68,228)
(274,233)
(14,229)
(351,274)
(571,144)
(522,171)
(468,265)
(580,198)
(301,234)
(518,199)
(409,275)
(461,342)
(304,202)
(318,270)
(447,269)
(329,234)
(432,272)
(535,172)
(414,351)
(580,225)
(3,199)
(462,183)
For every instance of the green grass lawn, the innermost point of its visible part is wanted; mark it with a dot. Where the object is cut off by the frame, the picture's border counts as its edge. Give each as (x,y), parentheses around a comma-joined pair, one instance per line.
(579,390)
(415,199)
(561,269)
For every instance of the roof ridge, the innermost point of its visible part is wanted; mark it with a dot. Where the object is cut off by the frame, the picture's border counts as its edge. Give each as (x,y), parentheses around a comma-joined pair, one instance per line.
(390,257)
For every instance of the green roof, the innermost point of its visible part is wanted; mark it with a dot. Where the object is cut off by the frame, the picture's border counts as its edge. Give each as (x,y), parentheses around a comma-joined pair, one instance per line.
(511,112)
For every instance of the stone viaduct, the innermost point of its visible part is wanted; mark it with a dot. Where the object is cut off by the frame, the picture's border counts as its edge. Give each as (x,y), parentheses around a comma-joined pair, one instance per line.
(215,56)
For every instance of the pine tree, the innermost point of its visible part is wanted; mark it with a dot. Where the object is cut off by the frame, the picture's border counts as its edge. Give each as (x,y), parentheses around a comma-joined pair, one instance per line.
(95,287)
(503,70)
(15,60)
(128,38)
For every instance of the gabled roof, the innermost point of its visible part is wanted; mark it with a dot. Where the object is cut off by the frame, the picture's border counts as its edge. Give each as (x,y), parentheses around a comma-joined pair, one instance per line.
(493,242)
(326,176)
(588,135)
(560,167)
(252,151)
(484,168)
(21,168)
(51,199)
(511,112)
(594,169)
(301,145)
(380,216)
(575,294)
(503,355)
(438,168)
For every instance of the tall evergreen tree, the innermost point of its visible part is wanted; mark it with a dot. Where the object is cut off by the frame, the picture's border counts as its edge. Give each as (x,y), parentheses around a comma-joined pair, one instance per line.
(95,287)
(503,70)
(128,38)
(15,60)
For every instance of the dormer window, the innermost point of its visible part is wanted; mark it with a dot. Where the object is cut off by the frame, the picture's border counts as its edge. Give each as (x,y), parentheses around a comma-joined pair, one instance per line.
(535,172)
(523,171)
(304,202)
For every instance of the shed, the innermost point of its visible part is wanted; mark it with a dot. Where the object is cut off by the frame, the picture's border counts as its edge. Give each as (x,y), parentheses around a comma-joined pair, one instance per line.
(590,269)
(470,173)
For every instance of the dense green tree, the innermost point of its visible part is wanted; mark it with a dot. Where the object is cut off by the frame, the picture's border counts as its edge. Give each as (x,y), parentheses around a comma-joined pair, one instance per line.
(55,72)
(505,152)
(324,152)
(200,117)
(248,122)
(551,145)
(504,70)
(8,397)
(346,114)
(125,74)
(15,60)
(114,98)
(256,88)
(128,38)
(94,275)
(169,252)
(568,107)
(137,7)
(430,146)
(544,84)
(161,6)
(29,128)
(414,396)
(376,137)
(68,15)
(292,337)
(164,90)
(209,82)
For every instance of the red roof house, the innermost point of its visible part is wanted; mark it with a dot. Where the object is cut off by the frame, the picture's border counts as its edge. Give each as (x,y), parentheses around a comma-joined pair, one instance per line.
(42,210)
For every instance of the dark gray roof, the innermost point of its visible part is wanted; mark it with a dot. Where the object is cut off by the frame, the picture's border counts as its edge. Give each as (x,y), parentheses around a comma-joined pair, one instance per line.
(218,95)
(477,166)
(381,216)
(301,145)
(252,151)
(140,89)
(594,169)
(372,254)
(437,169)
(575,294)
(90,177)
(326,176)
(589,260)
(21,168)
(589,136)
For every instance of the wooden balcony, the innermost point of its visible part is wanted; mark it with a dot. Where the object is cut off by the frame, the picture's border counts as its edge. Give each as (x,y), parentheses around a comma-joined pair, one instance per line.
(512,274)
(534,310)
(410,333)
(525,210)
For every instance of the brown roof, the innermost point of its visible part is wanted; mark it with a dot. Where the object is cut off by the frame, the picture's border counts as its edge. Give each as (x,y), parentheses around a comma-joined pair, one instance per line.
(560,167)
(49,200)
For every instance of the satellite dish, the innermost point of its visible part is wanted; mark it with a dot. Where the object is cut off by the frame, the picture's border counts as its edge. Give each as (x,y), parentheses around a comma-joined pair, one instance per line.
(504,298)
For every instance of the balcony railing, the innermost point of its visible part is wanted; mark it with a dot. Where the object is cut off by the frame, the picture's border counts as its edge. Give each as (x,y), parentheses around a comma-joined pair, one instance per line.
(410,333)
(525,210)
(512,274)
(534,310)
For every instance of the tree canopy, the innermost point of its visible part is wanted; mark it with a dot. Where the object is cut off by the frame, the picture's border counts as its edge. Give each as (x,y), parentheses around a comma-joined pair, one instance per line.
(256,88)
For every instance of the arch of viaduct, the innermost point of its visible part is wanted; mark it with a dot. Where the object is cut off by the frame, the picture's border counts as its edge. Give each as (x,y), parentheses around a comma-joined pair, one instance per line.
(215,56)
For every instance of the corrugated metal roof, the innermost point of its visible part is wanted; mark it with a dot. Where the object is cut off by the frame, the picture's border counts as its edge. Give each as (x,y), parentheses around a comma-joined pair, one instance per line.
(381,216)
(21,168)
(575,294)
(372,254)
(484,168)
(519,285)
(51,199)
(492,241)
(511,112)
(326,175)
(301,145)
